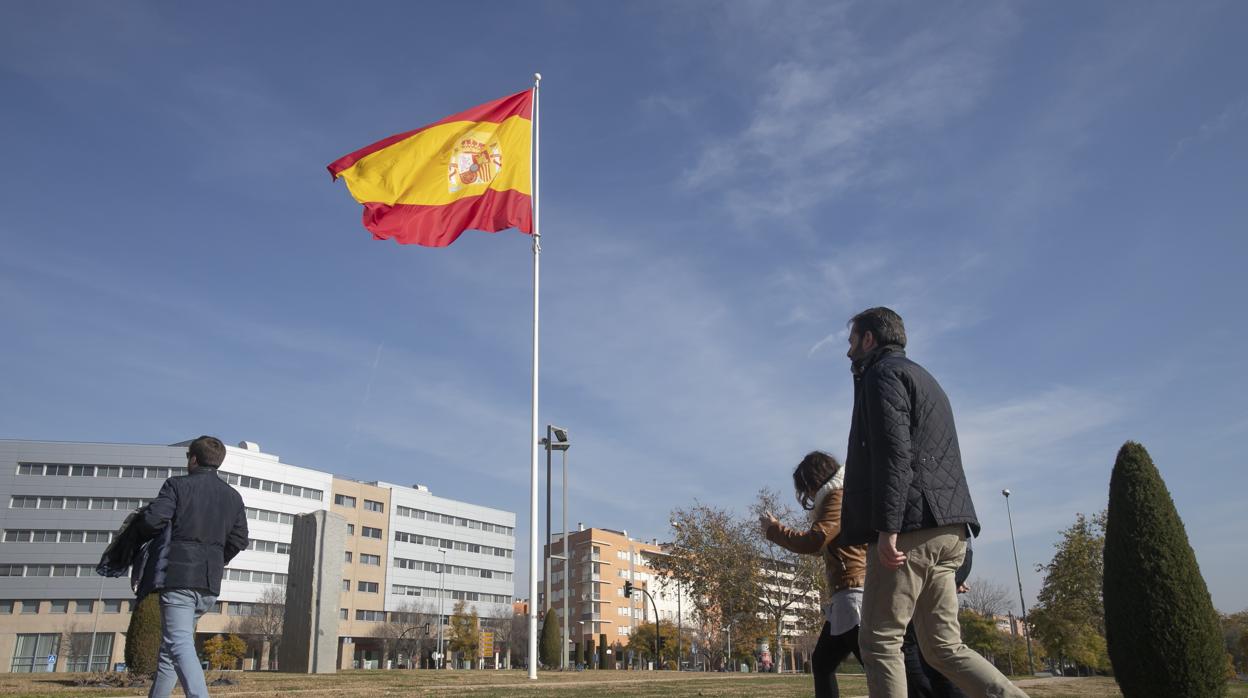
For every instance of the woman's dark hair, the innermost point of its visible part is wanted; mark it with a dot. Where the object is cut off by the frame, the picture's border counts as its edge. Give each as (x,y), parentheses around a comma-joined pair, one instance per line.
(812,473)
(883,323)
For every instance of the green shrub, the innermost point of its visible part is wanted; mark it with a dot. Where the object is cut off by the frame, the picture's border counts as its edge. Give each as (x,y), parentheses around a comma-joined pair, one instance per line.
(548,645)
(143,637)
(1161,629)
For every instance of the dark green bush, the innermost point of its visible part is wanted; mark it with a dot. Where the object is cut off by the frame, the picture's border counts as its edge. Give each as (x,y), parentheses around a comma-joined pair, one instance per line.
(143,637)
(1162,632)
(548,643)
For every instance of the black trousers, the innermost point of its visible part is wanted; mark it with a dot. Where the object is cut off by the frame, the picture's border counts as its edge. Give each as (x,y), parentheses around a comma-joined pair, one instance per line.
(922,680)
(830,651)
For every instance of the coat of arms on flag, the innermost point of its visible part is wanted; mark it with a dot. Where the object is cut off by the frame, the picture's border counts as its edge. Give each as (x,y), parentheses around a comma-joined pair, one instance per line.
(476,159)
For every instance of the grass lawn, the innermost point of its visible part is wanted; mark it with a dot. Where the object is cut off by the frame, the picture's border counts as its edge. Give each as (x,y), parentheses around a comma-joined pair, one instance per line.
(366,684)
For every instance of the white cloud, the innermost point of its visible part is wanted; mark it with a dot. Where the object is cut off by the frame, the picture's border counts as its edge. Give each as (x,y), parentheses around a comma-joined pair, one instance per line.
(829,111)
(1227,119)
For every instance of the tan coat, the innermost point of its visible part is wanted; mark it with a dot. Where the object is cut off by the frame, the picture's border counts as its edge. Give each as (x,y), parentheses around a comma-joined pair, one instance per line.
(844,567)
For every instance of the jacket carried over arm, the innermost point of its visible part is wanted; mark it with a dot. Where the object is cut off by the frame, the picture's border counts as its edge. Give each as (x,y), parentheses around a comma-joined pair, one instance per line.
(844,567)
(198,523)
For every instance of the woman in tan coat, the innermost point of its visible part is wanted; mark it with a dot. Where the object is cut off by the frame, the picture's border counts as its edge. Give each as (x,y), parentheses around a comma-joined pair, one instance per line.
(818,484)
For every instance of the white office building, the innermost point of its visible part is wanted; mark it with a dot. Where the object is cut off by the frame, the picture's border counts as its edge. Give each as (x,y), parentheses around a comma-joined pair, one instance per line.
(61,503)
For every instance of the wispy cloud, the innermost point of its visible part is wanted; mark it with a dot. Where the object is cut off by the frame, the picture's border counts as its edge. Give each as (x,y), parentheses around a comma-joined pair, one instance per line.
(828,119)
(1227,119)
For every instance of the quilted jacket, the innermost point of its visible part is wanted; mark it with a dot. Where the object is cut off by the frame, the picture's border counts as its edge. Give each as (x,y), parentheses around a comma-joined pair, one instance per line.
(844,567)
(903,468)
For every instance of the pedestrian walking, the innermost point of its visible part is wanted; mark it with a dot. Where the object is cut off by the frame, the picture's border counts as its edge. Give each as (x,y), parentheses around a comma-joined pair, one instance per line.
(817,482)
(906,496)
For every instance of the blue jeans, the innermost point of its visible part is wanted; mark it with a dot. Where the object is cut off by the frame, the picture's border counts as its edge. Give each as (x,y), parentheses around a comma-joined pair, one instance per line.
(179,610)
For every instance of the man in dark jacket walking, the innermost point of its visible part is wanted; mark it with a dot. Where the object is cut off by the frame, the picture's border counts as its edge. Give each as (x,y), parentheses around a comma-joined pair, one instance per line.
(197,524)
(906,496)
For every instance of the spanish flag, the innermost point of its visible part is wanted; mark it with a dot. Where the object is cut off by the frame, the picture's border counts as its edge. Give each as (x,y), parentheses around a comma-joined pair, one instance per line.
(470,170)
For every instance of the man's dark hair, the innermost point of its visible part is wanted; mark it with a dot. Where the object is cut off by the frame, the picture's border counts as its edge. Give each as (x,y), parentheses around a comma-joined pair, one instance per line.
(883,324)
(209,452)
(812,473)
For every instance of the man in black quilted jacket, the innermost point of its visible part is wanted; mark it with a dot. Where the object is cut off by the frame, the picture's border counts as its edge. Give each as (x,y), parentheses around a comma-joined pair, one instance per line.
(197,524)
(906,497)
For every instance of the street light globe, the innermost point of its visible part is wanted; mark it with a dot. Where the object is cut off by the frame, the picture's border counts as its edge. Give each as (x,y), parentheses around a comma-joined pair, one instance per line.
(1005,492)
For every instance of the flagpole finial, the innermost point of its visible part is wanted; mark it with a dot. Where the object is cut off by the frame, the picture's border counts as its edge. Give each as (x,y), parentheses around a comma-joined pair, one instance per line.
(537,77)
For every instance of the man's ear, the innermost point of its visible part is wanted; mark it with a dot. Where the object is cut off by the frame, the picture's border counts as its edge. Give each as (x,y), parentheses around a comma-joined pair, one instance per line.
(868,341)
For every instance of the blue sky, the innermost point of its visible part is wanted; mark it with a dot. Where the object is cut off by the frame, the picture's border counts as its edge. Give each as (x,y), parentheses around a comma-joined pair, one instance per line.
(1052,195)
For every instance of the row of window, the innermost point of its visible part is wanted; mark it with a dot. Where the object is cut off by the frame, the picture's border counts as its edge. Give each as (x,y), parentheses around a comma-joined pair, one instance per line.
(366,587)
(255,576)
(270,516)
(270,546)
(46,536)
(60,536)
(348,501)
(31,606)
(406,590)
(26,501)
(459,570)
(239,608)
(259,483)
(454,521)
(161,473)
(447,543)
(365,531)
(21,570)
(72,470)
(83,651)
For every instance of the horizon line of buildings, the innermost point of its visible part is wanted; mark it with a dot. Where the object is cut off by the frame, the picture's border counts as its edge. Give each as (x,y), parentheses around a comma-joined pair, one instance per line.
(61,503)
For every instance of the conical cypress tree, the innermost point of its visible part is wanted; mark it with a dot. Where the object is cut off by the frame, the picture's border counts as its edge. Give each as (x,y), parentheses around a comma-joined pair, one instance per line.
(143,636)
(1162,631)
(548,645)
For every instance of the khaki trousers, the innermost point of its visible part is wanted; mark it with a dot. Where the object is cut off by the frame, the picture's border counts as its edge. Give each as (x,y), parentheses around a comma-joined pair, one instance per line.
(922,589)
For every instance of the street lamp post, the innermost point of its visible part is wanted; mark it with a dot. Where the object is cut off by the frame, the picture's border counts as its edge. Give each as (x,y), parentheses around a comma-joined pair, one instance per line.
(1031,669)
(567,562)
(680,649)
(99,600)
(441,616)
(557,440)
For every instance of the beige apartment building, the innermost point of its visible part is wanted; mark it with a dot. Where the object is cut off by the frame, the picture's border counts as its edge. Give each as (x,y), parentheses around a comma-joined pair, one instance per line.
(602,559)
(366,507)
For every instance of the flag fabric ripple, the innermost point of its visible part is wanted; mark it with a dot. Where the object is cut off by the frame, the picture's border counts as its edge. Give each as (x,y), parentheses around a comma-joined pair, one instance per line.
(468,171)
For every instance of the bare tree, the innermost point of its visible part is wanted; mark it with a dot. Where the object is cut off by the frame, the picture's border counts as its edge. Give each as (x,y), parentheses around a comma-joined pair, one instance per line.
(789,581)
(716,562)
(517,638)
(987,598)
(264,625)
(407,632)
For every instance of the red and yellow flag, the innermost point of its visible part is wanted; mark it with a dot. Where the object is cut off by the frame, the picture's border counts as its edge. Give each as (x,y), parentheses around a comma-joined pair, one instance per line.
(470,170)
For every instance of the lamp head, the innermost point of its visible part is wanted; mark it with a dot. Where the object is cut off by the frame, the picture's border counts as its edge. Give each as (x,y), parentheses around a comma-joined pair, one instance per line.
(1005,492)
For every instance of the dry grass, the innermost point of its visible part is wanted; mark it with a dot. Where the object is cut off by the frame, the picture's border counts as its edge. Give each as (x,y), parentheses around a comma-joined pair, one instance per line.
(491,684)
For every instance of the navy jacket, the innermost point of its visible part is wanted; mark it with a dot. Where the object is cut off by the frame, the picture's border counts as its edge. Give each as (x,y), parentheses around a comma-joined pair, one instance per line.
(196,524)
(903,467)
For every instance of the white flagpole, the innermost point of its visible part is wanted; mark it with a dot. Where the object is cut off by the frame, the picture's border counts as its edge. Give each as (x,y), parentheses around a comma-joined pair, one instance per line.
(533,434)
